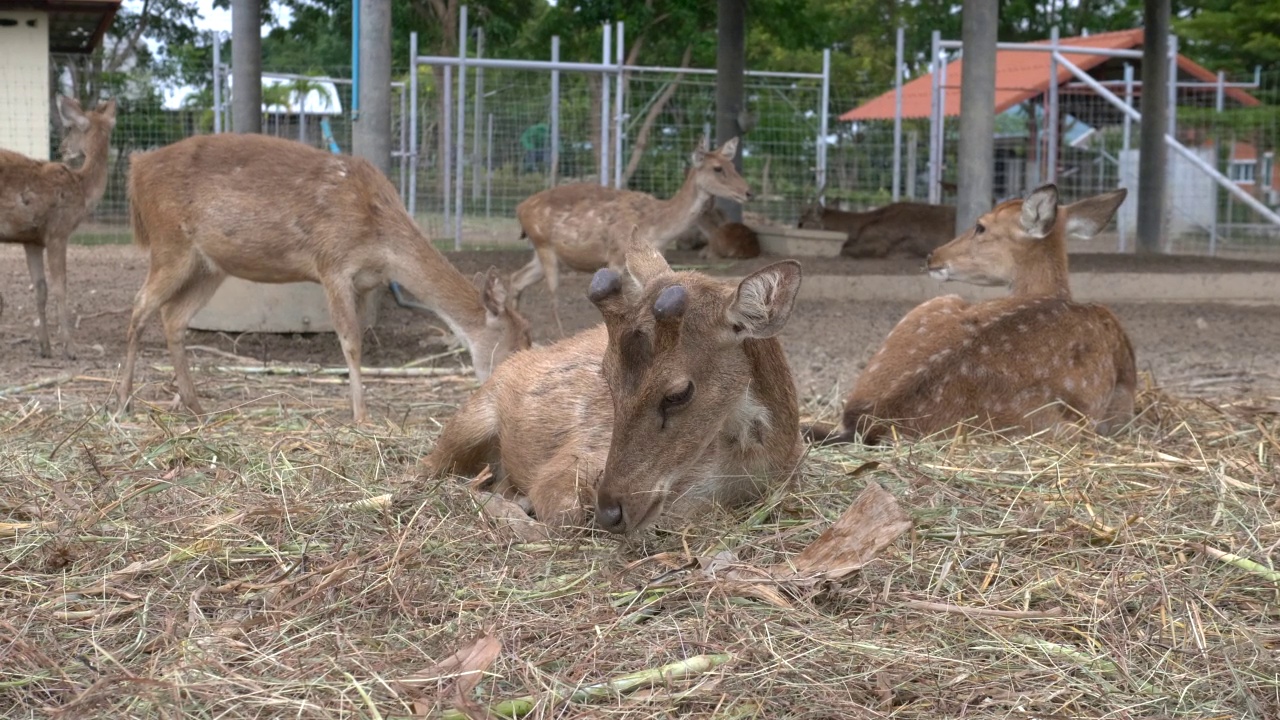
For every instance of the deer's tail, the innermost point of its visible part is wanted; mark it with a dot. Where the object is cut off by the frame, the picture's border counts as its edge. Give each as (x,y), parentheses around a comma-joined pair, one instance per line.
(137,218)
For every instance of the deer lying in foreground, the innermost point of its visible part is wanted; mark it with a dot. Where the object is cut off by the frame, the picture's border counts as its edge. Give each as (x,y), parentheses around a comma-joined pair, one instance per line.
(903,229)
(1029,362)
(574,223)
(682,399)
(42,203)
(277,211)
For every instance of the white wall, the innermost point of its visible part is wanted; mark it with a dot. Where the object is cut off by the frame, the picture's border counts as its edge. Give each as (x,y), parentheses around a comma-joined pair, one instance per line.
(1188,193)
(24,82)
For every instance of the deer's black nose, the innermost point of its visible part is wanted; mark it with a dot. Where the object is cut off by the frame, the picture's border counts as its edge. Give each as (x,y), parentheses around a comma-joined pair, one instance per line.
(609,515)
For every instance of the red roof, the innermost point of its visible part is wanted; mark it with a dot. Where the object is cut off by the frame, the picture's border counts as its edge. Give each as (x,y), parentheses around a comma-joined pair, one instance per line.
(1020,76)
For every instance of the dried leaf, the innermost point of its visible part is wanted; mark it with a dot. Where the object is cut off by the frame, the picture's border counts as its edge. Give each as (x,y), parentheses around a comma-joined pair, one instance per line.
(871,523)
(465,667)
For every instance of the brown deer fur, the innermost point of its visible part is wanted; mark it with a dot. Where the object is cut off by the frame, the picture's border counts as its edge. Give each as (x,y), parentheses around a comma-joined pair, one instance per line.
(274,211)
(681,400)
(904,229)
(734,241)
(42,203)
(1025,363)
(574,223)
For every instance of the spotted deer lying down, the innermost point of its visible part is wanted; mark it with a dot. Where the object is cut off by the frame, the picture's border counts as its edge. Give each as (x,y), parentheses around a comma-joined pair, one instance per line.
(1025,363)
(681,400)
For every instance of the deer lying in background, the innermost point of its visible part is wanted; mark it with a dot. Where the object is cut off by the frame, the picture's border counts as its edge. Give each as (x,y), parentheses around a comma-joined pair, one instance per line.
(1028,362)
(733,241)
(574,223)
(903,229)
(277,211)
(42,203)
(682,399)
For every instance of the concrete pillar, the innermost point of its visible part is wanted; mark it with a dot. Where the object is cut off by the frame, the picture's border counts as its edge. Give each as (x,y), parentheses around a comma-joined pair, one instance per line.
(246,66)
(731,62)
(976,161)
(1155,121)
(371,132)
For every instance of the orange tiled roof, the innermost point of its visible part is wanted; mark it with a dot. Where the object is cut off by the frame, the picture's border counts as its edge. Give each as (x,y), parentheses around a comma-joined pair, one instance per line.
(1020,76)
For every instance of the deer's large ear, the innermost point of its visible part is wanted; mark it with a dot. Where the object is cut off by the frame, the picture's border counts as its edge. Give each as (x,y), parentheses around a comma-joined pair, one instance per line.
(1040,211)
(494,294)
(764,301)
(71,114)
(699,152)
(1087,217)
(107,110)
(729,148)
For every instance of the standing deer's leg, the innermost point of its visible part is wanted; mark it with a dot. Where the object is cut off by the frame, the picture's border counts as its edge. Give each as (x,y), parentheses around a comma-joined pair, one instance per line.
(150,297)
(526,276)
(35,265)
(176,314)
(551,268)
(344,314)
(57,251)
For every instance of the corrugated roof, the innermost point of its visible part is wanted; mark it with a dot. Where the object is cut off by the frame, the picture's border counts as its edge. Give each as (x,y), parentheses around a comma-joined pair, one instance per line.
(1020,76)
(75,26)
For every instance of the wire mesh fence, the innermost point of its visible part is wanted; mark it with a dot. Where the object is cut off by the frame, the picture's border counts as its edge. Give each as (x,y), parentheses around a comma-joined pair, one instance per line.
(506,154)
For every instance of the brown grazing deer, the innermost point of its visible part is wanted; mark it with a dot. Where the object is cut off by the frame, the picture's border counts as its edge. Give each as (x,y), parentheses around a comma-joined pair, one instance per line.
(574,223)
(42,203)
(681,400)
(276,211)
(1029,362)
(733,241)
(903,229)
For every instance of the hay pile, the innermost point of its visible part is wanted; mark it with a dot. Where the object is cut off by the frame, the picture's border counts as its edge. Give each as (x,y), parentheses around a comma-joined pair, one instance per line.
(276,563)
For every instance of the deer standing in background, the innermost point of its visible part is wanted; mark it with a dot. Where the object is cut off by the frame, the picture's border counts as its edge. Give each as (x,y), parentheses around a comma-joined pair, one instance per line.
(904,229)
(681,400)
(574,224)
(1029,362)
(42,203)
(275,211)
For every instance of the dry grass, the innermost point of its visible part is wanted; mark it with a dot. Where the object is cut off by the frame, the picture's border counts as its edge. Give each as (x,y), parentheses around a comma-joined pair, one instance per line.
(276,563)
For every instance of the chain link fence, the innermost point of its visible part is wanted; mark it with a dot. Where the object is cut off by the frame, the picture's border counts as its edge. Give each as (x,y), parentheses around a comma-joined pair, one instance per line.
(507,158)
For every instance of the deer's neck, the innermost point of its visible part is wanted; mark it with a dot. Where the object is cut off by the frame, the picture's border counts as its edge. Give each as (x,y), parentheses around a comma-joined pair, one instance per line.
(1044,275)
(93,173)
(436,283)
(772,386)
(678,214)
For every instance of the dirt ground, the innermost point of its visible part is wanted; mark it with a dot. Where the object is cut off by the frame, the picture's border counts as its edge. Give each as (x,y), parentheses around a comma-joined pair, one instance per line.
(1188,348)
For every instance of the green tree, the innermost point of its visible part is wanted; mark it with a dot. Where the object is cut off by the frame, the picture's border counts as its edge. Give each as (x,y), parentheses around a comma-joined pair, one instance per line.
(1232,35)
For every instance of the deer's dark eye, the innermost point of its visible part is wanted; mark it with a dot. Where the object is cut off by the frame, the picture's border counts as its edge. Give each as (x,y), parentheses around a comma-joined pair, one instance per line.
(719,169)
(979,229)
(675,400)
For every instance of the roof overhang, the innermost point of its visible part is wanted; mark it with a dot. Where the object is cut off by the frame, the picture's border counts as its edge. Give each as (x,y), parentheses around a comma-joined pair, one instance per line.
(75,26)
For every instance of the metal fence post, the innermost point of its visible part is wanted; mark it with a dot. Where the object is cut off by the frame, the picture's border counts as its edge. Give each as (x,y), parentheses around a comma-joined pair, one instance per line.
(1051,113)
(1121,224)
(413,125)
(619,130)
(897,114)
(603,150)
(445,164)
(404,141)
(460,151)
(555,112)
(935,76)
(1219,102)
(488,166)
(822,121)
(217,82)
(477,117)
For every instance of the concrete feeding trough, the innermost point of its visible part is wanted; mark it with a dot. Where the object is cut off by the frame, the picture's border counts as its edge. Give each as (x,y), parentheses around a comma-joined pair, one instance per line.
(794,242)
(243,306)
